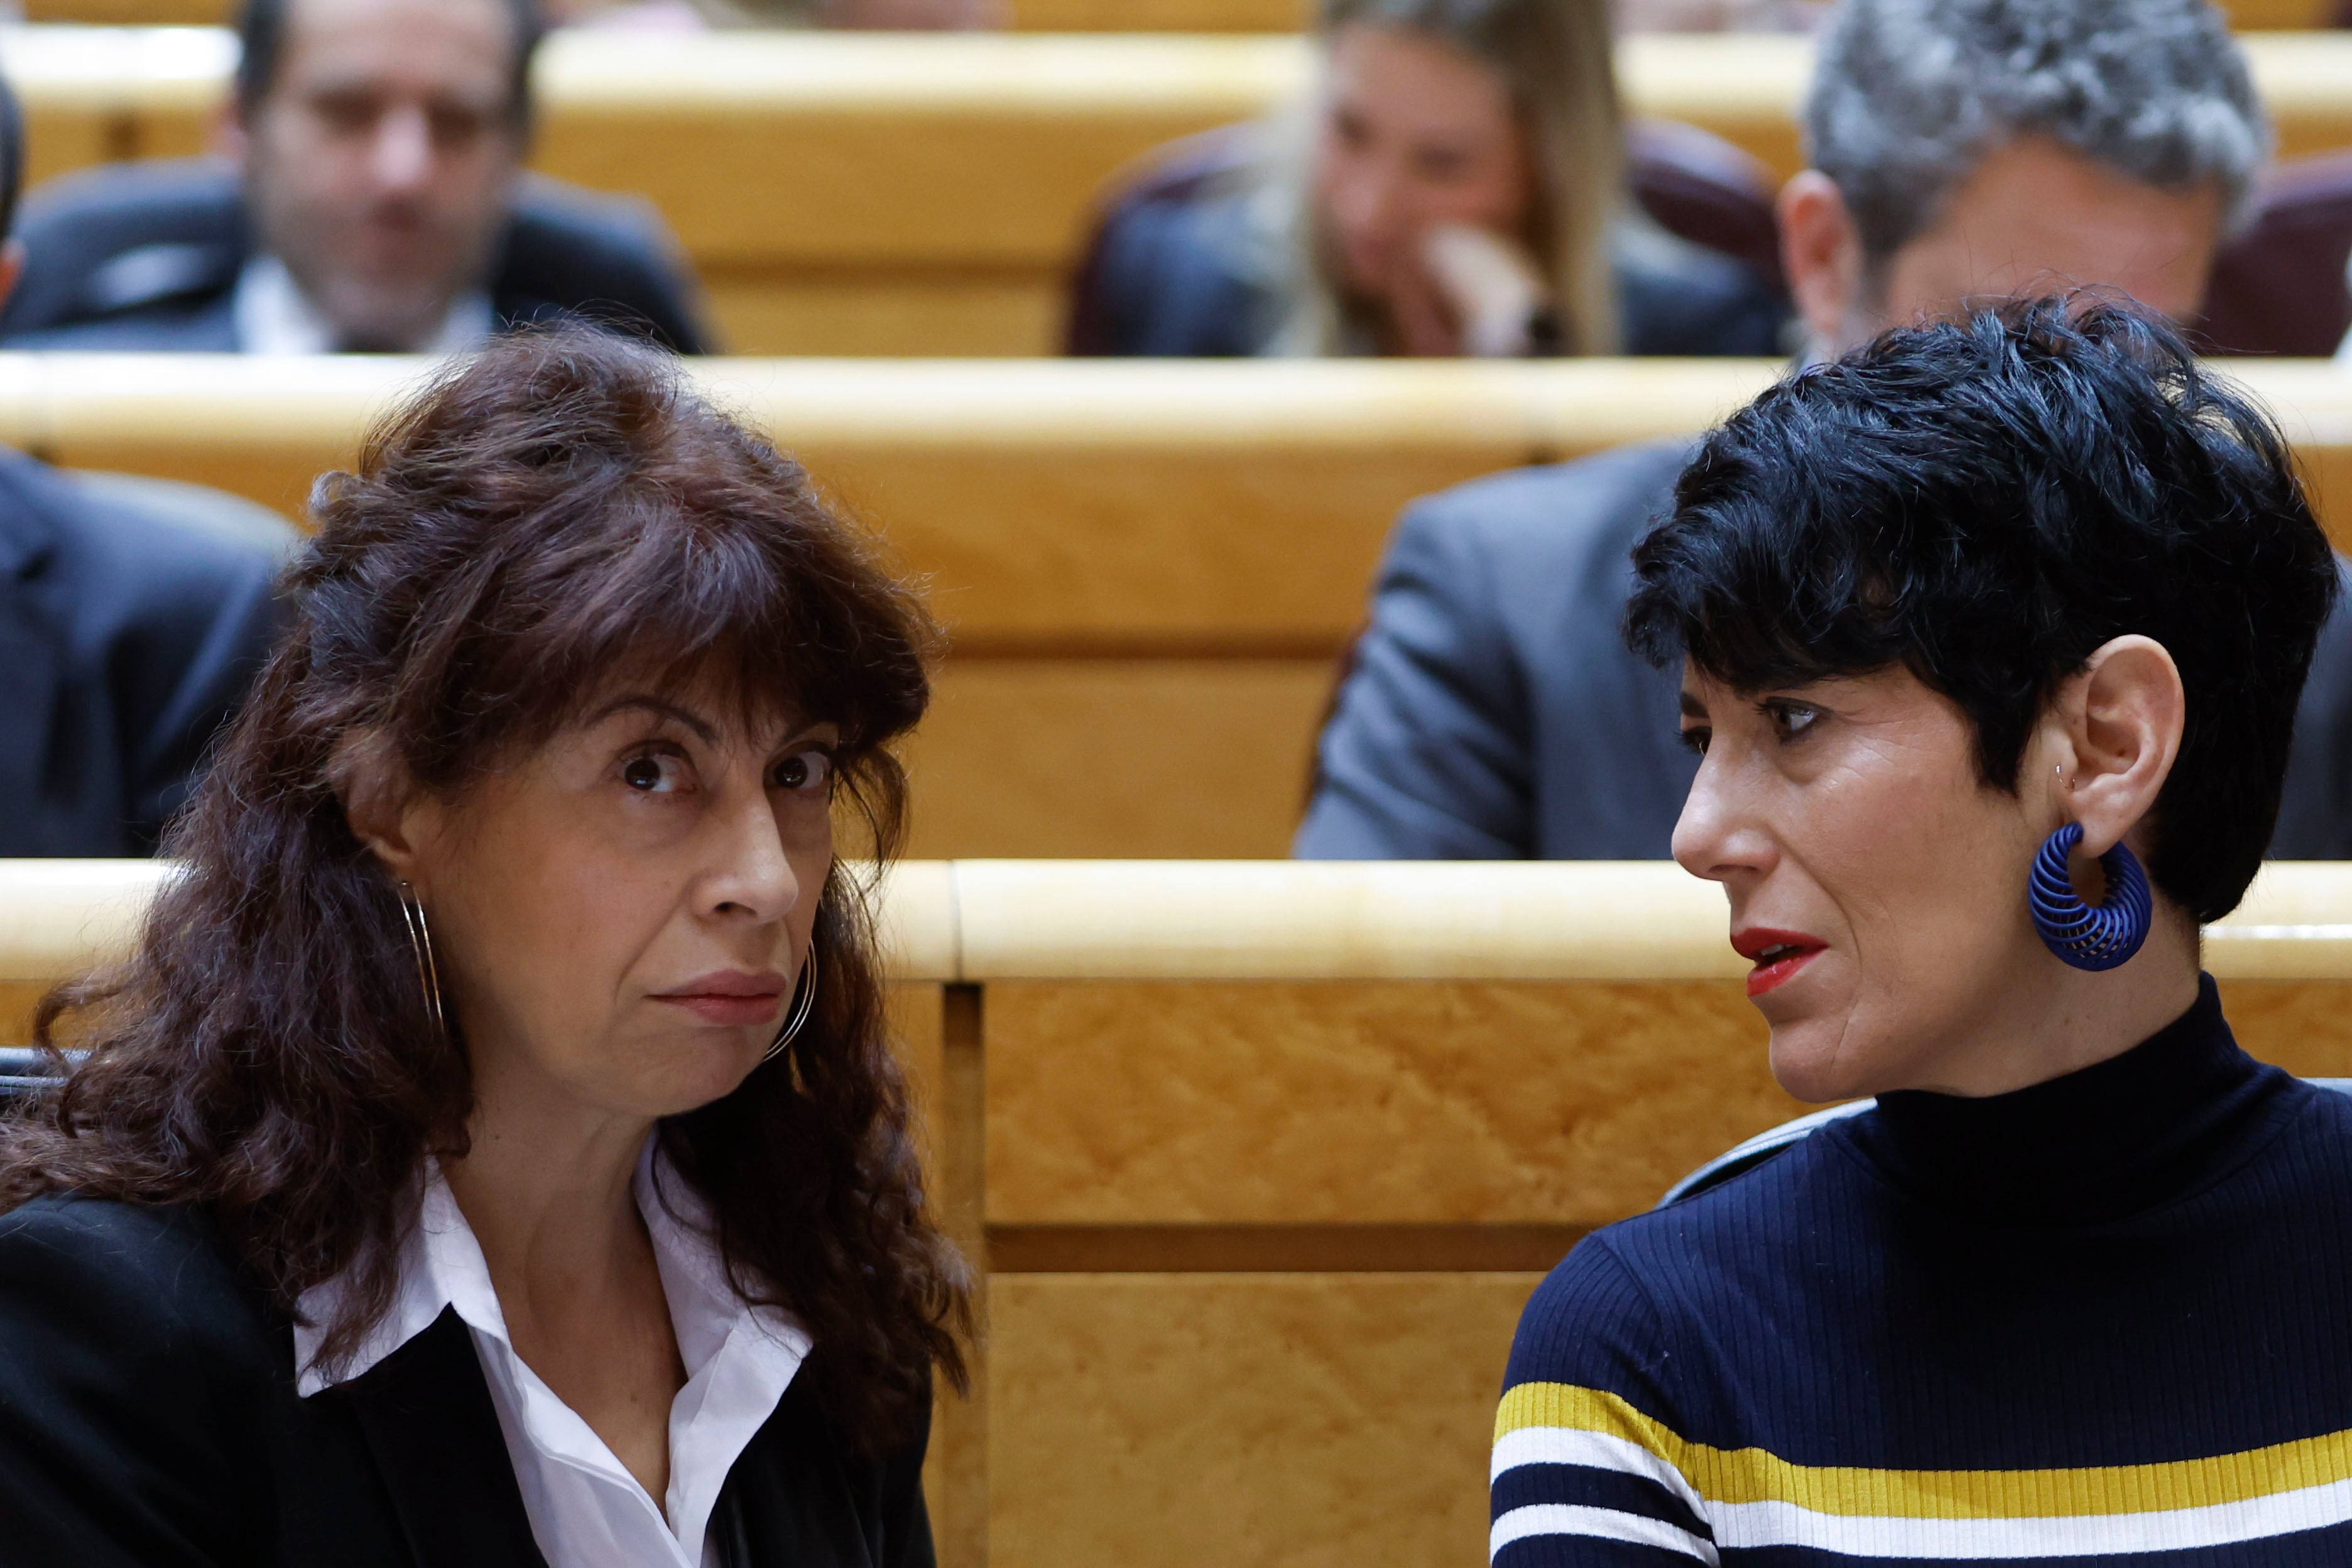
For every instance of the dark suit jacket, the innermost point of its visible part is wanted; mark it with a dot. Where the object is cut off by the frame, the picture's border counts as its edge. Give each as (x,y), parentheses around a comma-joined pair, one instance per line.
(1172,277)
(148,1419)
(144,257)
(1495,713)
(128,636)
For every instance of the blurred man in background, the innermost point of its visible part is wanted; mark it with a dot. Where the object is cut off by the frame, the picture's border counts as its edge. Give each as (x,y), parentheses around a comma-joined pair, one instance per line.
(1961,149)
(133,613)
(372,200)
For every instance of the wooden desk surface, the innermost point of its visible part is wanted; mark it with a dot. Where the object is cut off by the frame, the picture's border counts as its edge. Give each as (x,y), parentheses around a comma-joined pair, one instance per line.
(1218,923)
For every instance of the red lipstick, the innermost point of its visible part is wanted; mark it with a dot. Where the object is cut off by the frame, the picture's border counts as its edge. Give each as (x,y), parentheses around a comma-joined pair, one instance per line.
(1776,955)
(731,997)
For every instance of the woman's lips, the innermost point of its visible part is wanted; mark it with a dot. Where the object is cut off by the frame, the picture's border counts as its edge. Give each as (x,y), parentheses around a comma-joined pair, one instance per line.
(735,1011)
(1777,955)
(731,997)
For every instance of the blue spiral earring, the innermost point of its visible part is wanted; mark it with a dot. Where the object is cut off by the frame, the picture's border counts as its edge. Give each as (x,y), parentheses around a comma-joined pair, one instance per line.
(2088,938)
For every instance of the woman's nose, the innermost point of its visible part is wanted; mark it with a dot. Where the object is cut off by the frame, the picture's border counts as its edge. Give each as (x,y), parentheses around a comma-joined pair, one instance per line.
(1365,206)
(1717,837)
(754,876)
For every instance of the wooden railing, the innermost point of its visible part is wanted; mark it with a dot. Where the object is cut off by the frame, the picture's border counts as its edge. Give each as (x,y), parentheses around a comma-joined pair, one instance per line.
(925,194)
(1261,1161)
(1148,570)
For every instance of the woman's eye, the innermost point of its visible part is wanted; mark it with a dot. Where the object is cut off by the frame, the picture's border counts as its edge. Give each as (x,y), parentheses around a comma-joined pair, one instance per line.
(804,771)
(652,775)
(1793,718)
(1696,738)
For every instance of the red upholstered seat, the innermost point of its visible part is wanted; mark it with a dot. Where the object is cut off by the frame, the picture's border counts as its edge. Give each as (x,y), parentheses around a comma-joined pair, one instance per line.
(2278,287)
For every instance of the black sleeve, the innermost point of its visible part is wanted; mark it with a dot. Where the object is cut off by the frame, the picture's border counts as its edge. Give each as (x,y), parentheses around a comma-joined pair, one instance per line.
(905,1519)
(129,1371)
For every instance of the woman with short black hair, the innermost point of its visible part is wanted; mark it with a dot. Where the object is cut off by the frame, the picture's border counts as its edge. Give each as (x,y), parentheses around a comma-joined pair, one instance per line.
(493,1150)
(1991,637)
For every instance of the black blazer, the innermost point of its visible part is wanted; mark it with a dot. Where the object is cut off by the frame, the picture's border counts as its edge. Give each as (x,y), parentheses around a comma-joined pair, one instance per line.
(148,1419)
(144,257)
(132,617)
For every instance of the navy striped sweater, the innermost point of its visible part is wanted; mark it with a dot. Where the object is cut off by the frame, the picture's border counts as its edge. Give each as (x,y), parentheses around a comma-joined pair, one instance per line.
(2107,1319)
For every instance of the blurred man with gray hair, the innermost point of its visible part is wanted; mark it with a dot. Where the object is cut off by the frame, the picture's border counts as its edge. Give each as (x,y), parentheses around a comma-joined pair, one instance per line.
(1960,150)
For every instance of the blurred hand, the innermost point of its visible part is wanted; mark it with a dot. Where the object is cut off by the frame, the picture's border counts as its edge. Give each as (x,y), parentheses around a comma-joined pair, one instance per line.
(1487,285)
(912,14)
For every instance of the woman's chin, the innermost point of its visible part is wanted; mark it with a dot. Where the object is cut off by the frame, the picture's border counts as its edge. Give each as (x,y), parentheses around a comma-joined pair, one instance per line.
(1812,1060)
(695,1073)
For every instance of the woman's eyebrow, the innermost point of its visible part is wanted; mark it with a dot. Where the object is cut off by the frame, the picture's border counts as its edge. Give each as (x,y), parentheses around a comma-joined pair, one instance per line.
(702,729)
(1692,706)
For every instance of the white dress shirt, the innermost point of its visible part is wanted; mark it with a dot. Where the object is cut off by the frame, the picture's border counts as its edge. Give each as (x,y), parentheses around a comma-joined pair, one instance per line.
(273,316)
(586,1510)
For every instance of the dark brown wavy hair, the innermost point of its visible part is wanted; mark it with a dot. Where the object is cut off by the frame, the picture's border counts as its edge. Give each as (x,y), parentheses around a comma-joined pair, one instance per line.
(557,512)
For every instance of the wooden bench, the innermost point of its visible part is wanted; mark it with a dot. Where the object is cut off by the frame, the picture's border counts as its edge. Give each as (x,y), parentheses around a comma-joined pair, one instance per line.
(1148,570)
(925,194)
(1262,1160)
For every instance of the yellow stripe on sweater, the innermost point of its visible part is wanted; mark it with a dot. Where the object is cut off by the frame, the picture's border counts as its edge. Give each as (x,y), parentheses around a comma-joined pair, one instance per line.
(1754,1475)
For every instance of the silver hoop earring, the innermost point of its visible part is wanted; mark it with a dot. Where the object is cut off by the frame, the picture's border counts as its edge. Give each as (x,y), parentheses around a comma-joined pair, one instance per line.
(804,1003)
(420,941)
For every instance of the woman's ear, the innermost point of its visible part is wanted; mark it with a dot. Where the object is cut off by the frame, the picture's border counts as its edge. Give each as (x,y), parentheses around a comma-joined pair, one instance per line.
(378,799)
(2120,720)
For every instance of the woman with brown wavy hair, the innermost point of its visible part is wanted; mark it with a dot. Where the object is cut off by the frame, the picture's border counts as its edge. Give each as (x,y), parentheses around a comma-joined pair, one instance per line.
(492,1152)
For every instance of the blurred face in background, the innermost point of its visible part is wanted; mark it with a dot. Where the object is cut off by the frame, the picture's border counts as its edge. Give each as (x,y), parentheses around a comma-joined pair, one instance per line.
(1415,135)
(378,158)
(2034,216)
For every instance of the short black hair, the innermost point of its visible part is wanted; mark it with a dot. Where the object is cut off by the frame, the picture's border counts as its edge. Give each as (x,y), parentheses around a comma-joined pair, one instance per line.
(1986,502)
(261,41)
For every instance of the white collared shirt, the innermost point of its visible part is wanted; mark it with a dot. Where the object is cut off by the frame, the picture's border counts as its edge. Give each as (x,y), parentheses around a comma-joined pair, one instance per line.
(586,1510)
(273,316)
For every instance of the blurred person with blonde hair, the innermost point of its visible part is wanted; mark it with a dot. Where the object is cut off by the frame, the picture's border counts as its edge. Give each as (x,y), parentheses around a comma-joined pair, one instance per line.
(1455,186)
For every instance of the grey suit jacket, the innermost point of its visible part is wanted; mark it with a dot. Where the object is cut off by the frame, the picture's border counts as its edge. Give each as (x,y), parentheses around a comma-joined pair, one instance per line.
(1495,713)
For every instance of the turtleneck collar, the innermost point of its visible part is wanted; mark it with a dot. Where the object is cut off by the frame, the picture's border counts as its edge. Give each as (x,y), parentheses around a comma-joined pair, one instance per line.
(2116,1139)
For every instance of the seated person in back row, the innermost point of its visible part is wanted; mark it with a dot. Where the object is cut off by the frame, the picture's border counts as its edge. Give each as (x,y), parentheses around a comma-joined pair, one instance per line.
(374,204)
(1459,189)
(1959,148)
(133,613)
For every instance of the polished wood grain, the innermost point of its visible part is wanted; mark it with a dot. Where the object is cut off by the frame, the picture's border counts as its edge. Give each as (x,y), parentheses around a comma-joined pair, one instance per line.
(1299,1420)
(1377,1103)
(1201,758)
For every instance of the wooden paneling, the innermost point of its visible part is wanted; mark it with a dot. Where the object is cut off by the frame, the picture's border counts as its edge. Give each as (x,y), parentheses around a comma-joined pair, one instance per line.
(1204,759)
(1160,16)
(2303,1026)
(1363,1104)
(886,311)
(1304,1421)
